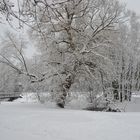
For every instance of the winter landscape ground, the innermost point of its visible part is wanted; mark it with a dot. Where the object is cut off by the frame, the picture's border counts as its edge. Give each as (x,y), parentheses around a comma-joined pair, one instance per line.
(32,121)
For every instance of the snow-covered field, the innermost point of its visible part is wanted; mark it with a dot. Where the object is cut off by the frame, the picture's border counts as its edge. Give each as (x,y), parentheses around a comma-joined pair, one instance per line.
(32,121)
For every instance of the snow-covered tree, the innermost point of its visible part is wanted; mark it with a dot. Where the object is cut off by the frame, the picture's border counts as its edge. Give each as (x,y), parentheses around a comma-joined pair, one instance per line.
(73,36)
(84,45)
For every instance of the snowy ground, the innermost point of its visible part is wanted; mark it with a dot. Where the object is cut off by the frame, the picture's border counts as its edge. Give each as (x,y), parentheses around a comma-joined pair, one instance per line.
(22,121)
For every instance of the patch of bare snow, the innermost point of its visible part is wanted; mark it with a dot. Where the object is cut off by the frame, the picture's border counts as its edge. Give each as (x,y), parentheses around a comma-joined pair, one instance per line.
(37,122)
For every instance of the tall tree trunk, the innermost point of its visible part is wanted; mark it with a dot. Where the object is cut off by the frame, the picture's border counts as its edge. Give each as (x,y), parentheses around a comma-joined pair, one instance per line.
(66,85)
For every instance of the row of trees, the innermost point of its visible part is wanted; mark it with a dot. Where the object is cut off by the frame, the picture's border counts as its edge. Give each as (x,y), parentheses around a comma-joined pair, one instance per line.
(85,45)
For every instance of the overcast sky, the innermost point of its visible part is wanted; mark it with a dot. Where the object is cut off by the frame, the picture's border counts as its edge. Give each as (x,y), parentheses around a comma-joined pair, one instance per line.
(133,5)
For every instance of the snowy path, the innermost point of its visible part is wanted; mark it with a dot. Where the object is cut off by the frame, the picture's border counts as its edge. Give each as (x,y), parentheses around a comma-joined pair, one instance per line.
(35,122)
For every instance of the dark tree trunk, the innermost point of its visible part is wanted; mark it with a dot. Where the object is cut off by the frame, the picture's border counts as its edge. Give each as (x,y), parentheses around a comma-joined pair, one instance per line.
(65,89)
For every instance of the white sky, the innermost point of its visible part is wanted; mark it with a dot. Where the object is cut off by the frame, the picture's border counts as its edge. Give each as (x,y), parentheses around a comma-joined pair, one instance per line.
(132,5)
